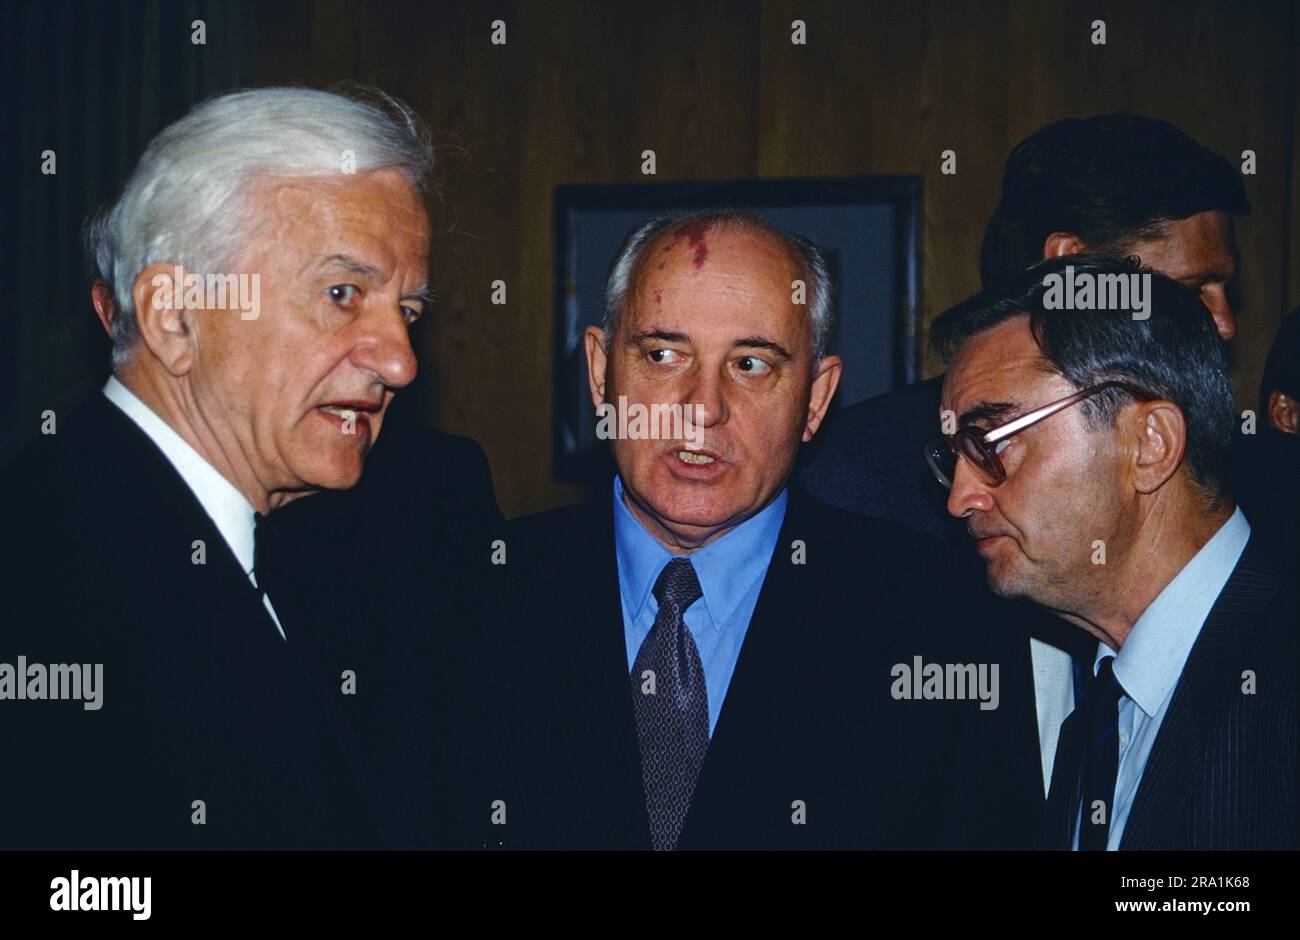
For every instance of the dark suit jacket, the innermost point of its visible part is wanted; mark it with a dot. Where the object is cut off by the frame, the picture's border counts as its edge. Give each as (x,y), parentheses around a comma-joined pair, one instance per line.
(808,715)
(867,459)
(202,699)
(1266,482)
(1222,771)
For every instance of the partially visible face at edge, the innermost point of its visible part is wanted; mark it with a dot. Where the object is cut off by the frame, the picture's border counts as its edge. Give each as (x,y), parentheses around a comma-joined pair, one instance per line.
(1199,252)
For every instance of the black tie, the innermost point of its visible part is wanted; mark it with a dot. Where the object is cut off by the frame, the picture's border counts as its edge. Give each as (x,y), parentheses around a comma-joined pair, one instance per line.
(671,703)
(265,563)
(1087,763)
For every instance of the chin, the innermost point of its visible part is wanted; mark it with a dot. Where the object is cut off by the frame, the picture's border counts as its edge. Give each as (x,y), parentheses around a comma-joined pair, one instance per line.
(341,473)
(695,514)
(1008,584)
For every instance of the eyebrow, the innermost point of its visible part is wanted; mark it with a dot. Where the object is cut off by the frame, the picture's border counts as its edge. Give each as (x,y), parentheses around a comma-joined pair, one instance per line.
(987,411)
(762,342)
(664,336)
(749,342)
(364,269)
(349,264)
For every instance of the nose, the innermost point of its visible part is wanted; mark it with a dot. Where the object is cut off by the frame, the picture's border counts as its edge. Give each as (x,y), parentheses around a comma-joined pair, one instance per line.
(707,398)
(384,348)
(969,493)
(1215,297)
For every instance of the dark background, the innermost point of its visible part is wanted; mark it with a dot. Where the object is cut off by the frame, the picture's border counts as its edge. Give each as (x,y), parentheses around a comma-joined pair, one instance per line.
(578,91)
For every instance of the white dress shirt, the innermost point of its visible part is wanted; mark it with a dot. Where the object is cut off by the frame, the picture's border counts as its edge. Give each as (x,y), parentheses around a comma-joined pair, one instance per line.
(229,511)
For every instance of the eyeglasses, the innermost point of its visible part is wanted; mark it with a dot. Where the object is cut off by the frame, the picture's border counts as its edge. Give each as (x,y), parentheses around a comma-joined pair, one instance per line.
(980,449)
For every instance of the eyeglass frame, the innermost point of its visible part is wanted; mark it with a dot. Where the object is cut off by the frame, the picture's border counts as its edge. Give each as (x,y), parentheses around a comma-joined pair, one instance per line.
(1014,426)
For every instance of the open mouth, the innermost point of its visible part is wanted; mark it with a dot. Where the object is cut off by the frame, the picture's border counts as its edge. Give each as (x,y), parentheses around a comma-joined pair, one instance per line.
(352,418)
(691,457)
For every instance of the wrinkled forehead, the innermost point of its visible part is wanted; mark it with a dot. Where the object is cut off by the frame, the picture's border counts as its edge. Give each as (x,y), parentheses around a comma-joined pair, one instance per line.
(380,208)
(707,272)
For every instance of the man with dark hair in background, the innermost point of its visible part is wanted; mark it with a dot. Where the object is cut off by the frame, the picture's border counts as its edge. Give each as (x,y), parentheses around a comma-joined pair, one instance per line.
(1090,466)
(1111,184)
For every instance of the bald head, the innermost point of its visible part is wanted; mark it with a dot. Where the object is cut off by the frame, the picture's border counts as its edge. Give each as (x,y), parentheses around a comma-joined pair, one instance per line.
(693,243)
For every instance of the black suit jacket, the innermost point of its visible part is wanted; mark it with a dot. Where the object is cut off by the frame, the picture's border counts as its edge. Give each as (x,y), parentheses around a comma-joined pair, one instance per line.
(867,459)
(1222,772)
(809,719)
(202,699)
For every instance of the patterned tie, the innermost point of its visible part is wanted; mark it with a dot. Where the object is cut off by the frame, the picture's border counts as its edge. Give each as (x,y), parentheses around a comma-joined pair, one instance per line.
(672,708)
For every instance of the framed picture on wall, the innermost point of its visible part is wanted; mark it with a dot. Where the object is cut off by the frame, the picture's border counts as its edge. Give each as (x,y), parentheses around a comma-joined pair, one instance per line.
(868,226)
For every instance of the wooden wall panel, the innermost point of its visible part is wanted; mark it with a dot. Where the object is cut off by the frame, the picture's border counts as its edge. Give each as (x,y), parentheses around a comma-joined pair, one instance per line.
(717,89)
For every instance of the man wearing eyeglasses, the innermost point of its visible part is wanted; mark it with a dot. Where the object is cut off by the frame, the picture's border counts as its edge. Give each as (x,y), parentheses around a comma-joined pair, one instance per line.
(1089,463)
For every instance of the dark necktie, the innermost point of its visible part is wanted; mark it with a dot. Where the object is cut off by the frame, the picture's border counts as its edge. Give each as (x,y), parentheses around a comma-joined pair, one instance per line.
(1087,763)
(265,563)
(672,721)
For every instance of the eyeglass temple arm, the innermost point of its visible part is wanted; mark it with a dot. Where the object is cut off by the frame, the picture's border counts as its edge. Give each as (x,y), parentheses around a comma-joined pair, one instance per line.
(1038,414)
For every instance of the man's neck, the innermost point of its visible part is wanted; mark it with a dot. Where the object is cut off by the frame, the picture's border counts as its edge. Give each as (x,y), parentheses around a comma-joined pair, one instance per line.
(173,403)
(1166,541)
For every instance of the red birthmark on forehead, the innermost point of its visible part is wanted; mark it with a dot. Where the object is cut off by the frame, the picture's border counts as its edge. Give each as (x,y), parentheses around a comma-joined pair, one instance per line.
(694,234)
(659,297)
(695,238)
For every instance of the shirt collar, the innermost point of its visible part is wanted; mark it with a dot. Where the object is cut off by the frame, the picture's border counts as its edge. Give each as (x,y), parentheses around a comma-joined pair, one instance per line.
(728,568)
(229,510)
(1156,649)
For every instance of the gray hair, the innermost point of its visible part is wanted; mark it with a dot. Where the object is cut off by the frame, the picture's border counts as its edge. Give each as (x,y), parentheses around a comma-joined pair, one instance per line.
(183,203)
(806,255)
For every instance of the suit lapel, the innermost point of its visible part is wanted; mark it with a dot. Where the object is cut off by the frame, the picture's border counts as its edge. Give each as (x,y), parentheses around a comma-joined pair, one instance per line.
(771,728)
(1213,669)
(741,738)
(609,721)
(161,508)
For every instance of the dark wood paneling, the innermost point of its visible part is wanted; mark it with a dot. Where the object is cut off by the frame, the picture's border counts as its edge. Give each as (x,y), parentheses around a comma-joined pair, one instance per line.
(718,91)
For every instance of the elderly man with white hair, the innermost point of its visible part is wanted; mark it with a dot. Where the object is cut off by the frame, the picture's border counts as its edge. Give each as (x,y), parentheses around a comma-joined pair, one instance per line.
(261,270)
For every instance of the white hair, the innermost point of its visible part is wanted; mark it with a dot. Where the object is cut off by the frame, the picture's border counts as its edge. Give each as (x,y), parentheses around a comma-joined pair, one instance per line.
(806,255)
(183,204)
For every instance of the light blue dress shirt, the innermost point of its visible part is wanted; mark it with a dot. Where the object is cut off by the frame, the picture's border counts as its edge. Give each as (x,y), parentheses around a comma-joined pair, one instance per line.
(730,570)
(1154,653)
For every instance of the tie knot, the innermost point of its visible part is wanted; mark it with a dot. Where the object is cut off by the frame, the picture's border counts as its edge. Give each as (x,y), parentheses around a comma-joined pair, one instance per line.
(677,585)
(1106,686)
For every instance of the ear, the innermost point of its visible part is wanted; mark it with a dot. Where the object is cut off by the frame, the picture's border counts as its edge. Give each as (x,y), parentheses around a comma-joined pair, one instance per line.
(1060,244)
(161,318)
(1283,412)
(1160,434)
(101,298)
(594,340)
(824,383)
